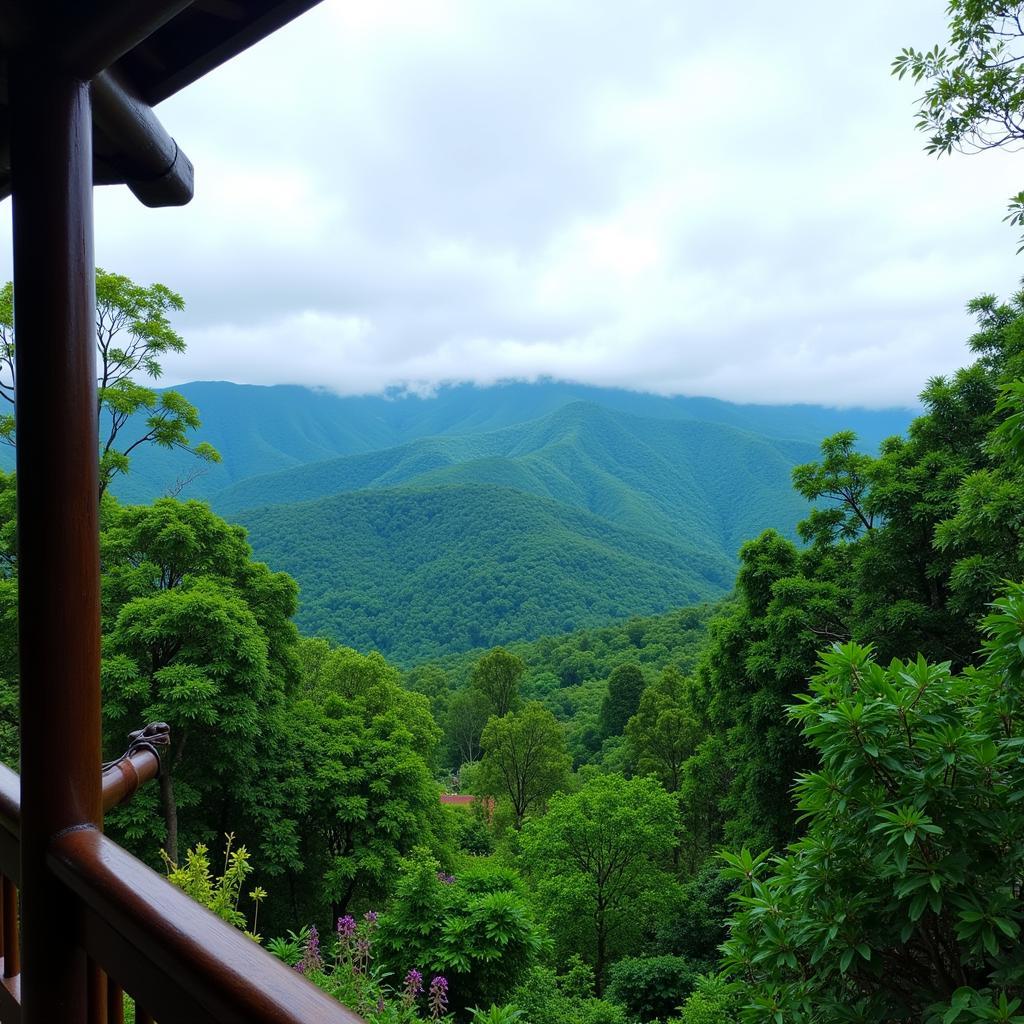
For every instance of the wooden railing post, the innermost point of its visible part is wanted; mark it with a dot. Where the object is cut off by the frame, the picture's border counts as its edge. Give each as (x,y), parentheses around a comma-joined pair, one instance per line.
(58,550)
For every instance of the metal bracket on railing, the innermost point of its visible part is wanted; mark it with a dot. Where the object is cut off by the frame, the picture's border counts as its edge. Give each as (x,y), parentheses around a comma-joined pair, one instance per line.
(152,736)
(123,776)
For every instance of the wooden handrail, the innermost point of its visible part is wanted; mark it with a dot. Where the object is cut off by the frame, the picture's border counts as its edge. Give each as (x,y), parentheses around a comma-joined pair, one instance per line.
(173,955)
(120,781)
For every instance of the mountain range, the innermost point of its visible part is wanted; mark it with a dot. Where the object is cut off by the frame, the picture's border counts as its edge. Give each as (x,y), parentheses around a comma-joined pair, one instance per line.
(260,430)
(423,526)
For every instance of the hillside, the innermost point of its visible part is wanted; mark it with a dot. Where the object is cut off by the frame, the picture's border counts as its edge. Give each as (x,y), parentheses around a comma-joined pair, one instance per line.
(261,430)
(569,673)
(416,573)
(560,668)
(676,480)
(429,525)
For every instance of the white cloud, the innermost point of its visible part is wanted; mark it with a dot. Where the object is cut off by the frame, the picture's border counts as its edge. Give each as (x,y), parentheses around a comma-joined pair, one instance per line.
(407,193)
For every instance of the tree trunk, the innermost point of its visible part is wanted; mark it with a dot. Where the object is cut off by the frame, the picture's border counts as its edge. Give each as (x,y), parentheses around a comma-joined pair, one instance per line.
(339,907)
(170,814)
(602,953)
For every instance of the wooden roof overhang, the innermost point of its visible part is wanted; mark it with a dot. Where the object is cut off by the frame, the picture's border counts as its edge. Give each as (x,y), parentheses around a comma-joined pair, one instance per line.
(135,53)
(78,82)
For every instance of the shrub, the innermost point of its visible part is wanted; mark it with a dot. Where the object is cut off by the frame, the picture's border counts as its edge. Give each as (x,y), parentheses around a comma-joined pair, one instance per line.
(472,834)
(475,928)
(902,902)
(714,1000)
(549,999)
(652,987)
(692,924)
(495,1015)
(221,895)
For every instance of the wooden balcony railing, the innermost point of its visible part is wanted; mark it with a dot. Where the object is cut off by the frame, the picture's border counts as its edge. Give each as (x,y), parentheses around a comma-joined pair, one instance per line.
(179,963)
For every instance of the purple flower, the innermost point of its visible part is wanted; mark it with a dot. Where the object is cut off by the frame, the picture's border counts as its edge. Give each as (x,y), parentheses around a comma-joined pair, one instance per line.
(300,967)
(438,996)
(361,962)
(370,917)
(346,926)
(445,879)
(311,959)
(412,987)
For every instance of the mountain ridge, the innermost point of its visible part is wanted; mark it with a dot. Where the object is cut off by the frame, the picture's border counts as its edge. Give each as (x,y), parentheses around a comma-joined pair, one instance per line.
(265,428)
(422,526)
(648,474)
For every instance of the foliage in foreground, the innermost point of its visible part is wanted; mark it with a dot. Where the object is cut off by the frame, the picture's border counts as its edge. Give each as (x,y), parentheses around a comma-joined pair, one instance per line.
(220,894)
(476,928)
(347,968)
(903,900)
(904,552)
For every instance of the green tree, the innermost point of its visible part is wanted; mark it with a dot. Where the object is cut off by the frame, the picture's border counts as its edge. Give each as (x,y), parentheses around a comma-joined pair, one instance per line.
(759,653)
(133,332)
(468,713)
(974,95)
(843,477)
(433,682)
(625,685)
(902,901)
(946,527)
(664,731)
(524,758)
(597,859)
(905,551)
(198,635)
(356,778)
(497,675)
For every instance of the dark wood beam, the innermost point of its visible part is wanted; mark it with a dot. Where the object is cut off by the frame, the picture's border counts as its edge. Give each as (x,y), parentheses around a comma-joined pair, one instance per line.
(132,147)
(58,529)
(193,46)
(147,158)
(102,33)
(230,9)
(15,26)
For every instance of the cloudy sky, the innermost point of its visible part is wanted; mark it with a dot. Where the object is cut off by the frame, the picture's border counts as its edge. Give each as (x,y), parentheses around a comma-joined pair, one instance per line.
(648,194)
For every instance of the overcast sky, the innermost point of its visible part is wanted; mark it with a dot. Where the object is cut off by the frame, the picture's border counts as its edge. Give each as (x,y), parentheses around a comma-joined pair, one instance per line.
(648,194)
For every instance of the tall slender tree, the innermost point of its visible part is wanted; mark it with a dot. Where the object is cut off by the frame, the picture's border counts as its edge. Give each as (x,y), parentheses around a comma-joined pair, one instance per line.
(524,758)
(497,675)
(133,333)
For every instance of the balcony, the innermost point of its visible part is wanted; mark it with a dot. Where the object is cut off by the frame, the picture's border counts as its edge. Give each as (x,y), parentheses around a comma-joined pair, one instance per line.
(143,937)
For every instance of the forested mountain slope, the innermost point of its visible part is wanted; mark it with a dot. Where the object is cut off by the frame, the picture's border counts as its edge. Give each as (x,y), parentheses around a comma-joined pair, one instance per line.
(700,483)
(429,525)
(261,430)
(418,572)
